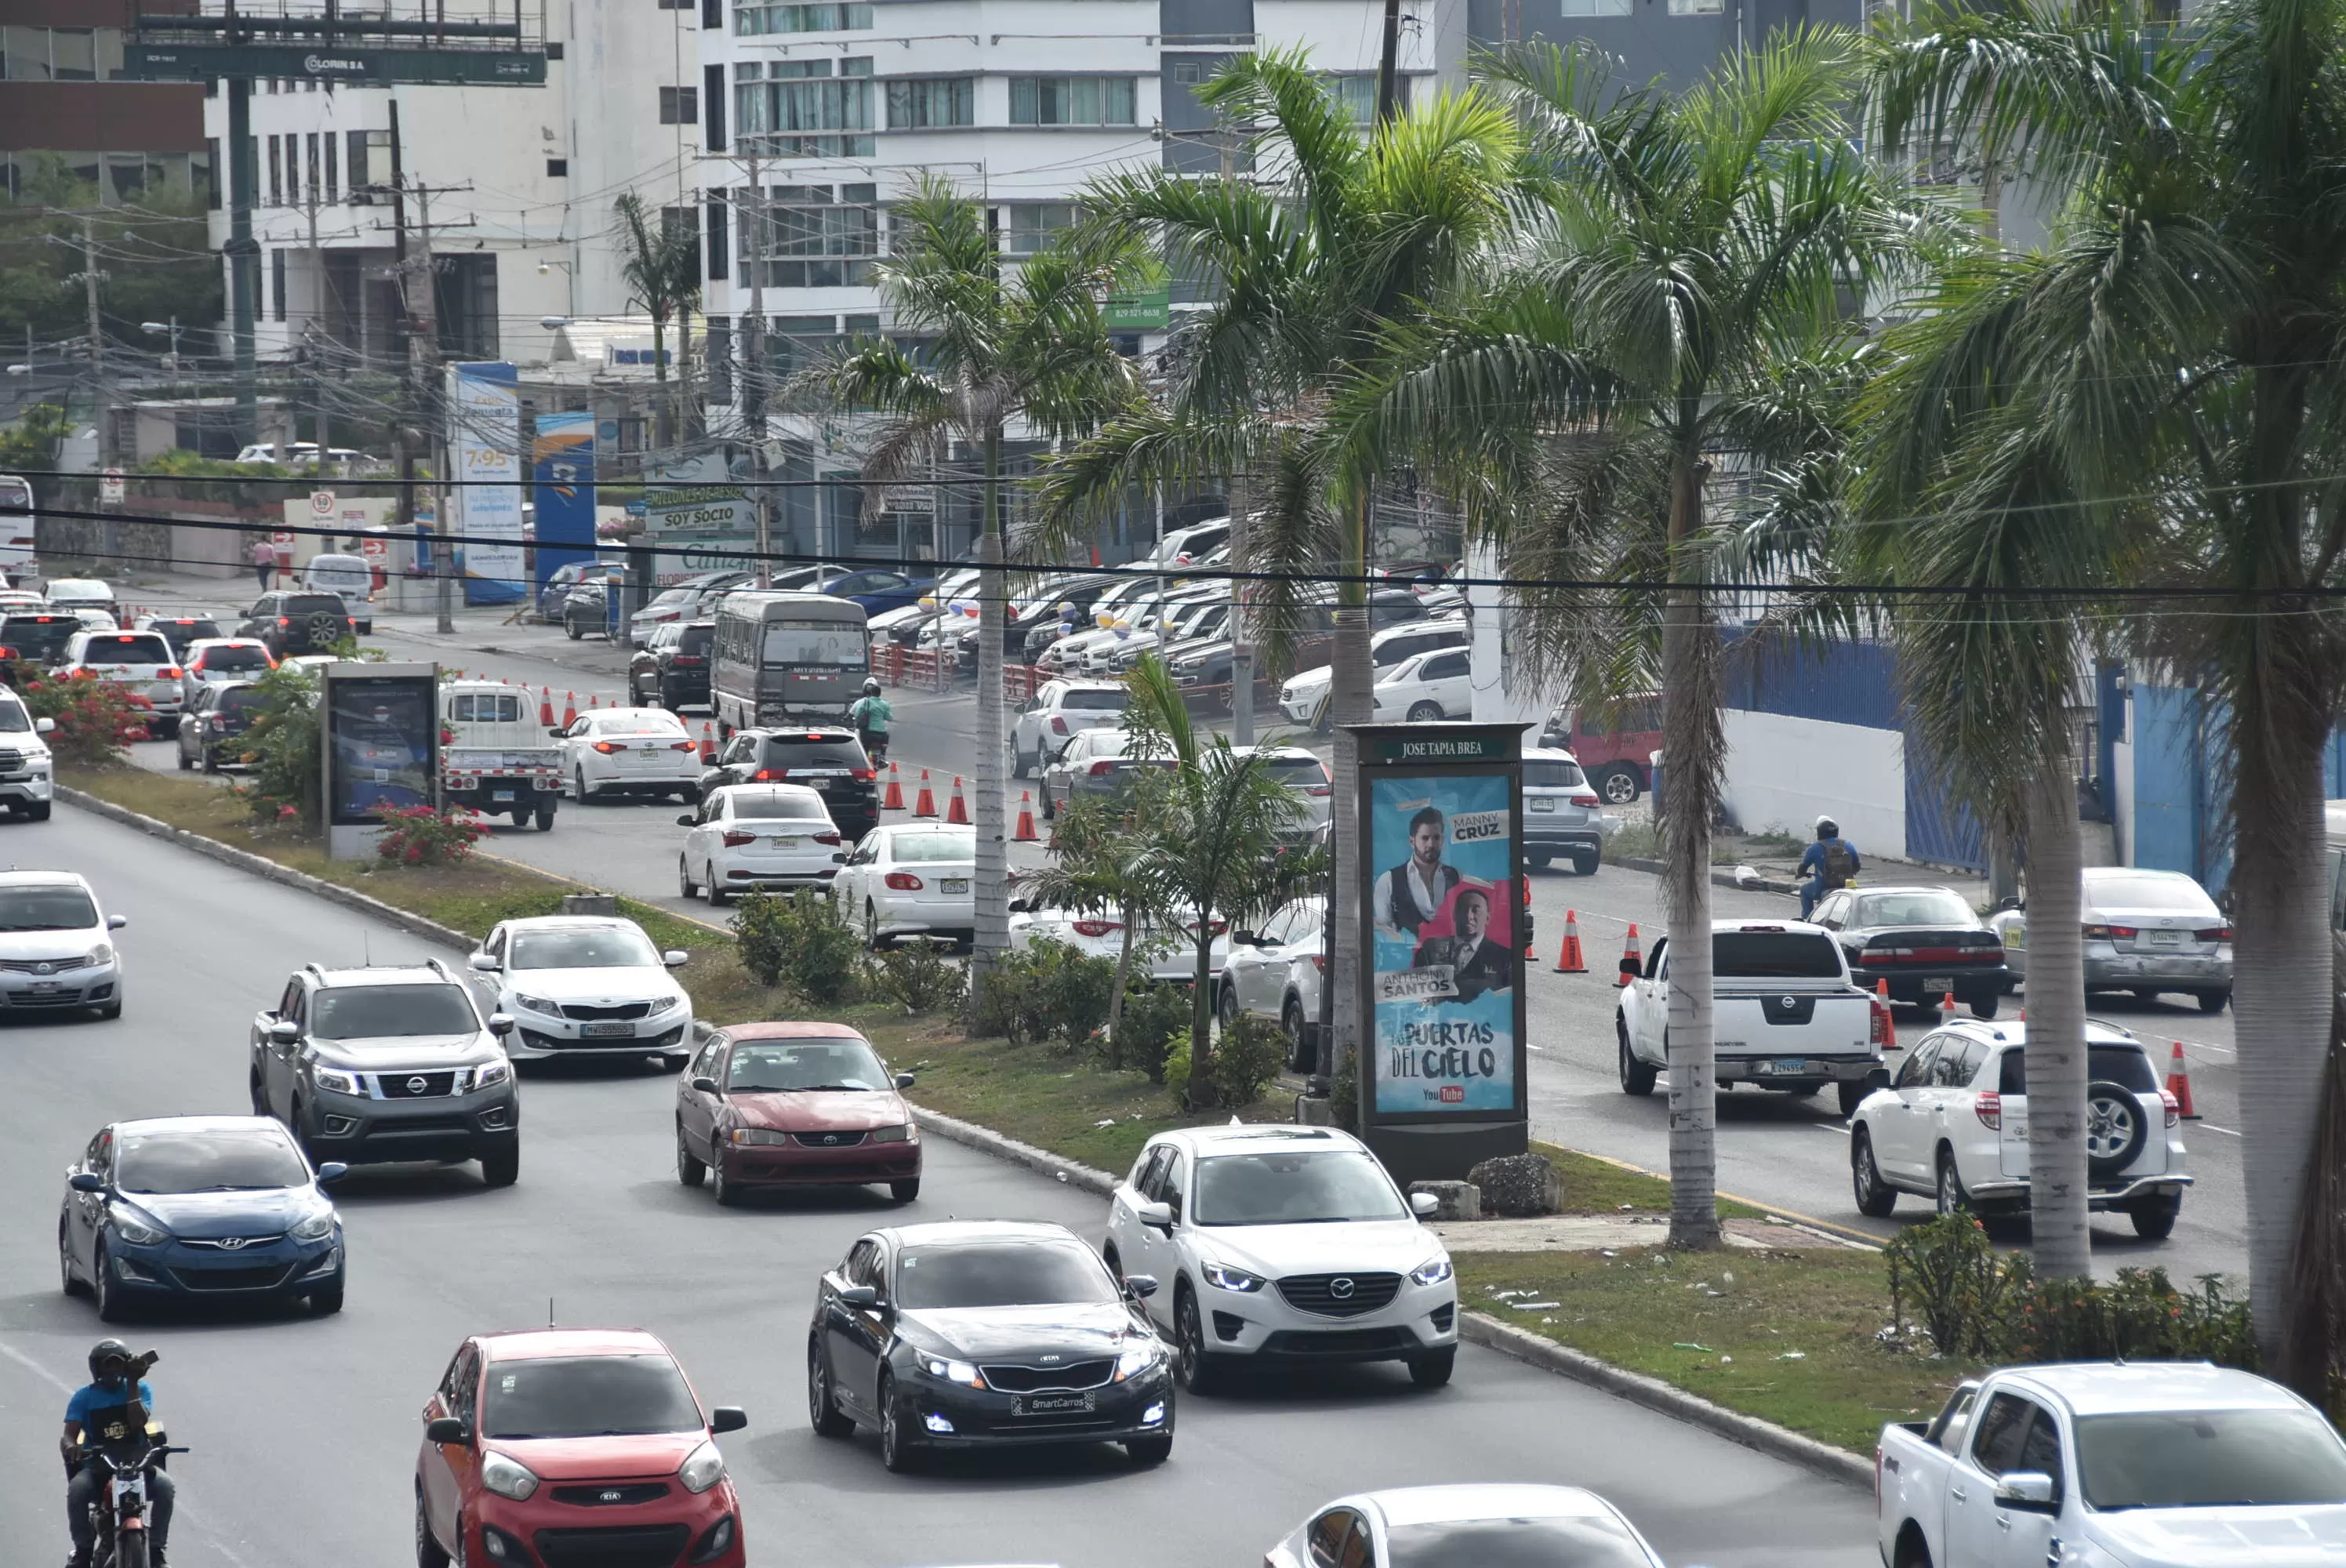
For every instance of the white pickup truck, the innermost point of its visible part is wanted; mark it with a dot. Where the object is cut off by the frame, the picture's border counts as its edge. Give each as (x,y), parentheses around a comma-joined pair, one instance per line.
(1785,1013)
(2156,1464)
(494,757)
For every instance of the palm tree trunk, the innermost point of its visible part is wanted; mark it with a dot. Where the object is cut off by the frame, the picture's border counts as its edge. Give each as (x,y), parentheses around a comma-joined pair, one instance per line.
(2056,1051)
(660,417)
(992,938)
(1693,748)
(1349,684)
(1199,1093)
(1123,977)
(1241,641)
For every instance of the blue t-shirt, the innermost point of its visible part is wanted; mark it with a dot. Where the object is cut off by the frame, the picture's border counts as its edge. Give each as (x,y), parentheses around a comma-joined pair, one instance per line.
(103,1414)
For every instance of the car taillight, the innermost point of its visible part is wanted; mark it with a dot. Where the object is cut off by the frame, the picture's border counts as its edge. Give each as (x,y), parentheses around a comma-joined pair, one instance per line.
(169,672)
(825,836)
(2108,932)
(688,658)
(1102,769)
(284,620)
(2174,1107)
(1585,801)
(865,775)
(607,748)
(1059,725)
(769,775)
(1319,962)
(684,745)
(736,839)
(1884,1034)
(1990,1110)
(1097,927)
(904,882)
(1320,789)
(2214,933)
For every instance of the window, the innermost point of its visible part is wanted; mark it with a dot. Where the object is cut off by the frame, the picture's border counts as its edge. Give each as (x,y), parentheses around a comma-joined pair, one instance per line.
(935,101)
(800,110)
(276,283)
(369,156)
(1034,225)
(333,169)
(676,5)
(680,106)
(751,20)
(276,173)
(557,169)
(311,160)
(814,240)
(1357,95)
(1071,100)
(1597,7)
(719,246)
(1697,7)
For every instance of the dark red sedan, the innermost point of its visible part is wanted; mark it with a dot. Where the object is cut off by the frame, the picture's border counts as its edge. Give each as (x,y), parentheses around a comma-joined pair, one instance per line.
(775,1105)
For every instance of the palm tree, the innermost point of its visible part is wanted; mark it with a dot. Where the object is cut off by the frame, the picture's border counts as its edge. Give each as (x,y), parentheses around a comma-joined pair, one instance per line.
(660,262)
(2183,346)
(995,344)
(1093,870)
(1673,301)
(1310,262)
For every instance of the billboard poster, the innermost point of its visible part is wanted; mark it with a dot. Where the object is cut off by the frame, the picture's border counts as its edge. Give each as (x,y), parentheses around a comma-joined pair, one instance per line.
(563,454)
(485,455)
(1446,962)
(380,736)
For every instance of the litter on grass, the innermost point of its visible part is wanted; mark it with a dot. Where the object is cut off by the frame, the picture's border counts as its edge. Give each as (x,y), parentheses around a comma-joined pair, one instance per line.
(1689,1345)
(1793,1356)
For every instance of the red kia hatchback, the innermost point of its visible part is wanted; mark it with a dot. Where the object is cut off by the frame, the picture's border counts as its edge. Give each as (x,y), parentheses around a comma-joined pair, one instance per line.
(573,1447)
(780,1104)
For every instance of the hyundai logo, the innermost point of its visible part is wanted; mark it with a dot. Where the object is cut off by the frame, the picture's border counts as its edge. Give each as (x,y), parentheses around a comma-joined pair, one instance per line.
(1341,1287)
(418,1083)
(231,1243)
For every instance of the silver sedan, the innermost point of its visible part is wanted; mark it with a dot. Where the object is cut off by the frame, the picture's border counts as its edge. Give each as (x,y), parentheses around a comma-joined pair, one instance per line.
(2146,932)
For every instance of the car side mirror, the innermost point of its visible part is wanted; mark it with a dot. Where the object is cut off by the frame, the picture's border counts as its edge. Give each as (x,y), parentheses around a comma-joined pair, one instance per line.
(445,1429)
(285,1031)
(1877,1079)
(860,1296)
(45,727)
(331,1172)
(2028,1490)
(1156,1215)
(486,963)
(85,1181)
(115,923)
(501,1024)
(728,1419)
(904,1080)
(704,1084)
(1245,938)
(675,958)
(687,820)
(1424,1204)
(1140,1287)
(556,731)
(1629,970)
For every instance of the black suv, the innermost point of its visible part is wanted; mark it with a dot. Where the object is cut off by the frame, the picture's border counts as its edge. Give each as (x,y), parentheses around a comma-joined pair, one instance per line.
(179,630)
(298,623)
(211,733)
(671,669)
(831,762)
(40,638)
(368,1065)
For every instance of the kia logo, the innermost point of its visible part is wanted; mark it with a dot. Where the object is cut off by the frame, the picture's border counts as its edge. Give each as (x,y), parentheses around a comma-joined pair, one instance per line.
(611,1497)
(418,1083)
(1340,1289)
(231,1243)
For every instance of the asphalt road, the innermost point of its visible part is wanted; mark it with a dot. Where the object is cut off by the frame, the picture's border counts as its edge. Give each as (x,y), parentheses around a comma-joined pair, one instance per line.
(304,1429)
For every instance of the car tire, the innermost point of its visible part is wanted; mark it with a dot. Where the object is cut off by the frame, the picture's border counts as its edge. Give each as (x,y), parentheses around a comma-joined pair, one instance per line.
(211,760)
(898,1451)
(1425,712)
(260,1094)
(69,1282)
(1431,1369)
(1586,865)
(38,811)
(1851,1096)
(2213,1001)
(1950,1194)
(728,1194)
(578,786)
(1226,1007)
(501,1167)
(1290,1024)
(2115,1129)
(1875,1197)
(1196,1369)
(2154,1220)
(709,891)
(1149,1451)
(545,816)
(690,1169)
(572,628)
(326,1303)
(427,1545)
(1619,786)
(1020,766)
(1048,813)
(685,886)
(110,1010)
(904,1191)
(674,1061)
(112,1307)
(1636,1077)
(823,1413)
(1539,862)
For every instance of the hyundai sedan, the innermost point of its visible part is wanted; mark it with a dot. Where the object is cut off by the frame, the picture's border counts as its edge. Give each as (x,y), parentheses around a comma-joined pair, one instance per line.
(1466,1527)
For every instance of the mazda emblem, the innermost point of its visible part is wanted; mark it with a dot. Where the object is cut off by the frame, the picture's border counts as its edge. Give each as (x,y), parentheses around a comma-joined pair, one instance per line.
(1341,1287)
(418,1083)
(230,1243)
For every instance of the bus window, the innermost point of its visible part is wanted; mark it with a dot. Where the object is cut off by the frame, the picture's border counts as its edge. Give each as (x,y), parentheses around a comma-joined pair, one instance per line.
(831,644)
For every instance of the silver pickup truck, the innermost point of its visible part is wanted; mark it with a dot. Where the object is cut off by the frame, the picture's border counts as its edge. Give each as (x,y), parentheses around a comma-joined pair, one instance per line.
(2100,1465)
(1785,1013)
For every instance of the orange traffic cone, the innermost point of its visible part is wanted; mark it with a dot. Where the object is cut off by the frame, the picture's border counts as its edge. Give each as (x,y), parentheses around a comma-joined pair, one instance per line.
(546,707)
(2178,1084)
(569,708)
(893,800)
(592,701)
(1531,947)
(1948,1006)
(1633,961)
(924,804)
(708,741)
(1568,960)
(1026,833)
(955,812)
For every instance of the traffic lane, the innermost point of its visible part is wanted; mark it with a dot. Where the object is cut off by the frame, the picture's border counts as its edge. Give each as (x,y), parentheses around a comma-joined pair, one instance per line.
(286,1408)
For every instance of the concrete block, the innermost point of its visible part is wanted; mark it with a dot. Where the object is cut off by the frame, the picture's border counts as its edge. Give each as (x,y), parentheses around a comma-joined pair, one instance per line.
(1459,1199)
(1519,1186)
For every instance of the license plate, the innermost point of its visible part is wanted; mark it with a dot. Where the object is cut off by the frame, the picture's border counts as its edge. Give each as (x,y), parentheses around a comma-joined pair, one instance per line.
(784,843)
(620,1029)
(1942,985)
(1051,1404)
(501,794)
(823,785)
(46,986)
(956,884)
(1784,1064)
(1542,803)
(2166,938)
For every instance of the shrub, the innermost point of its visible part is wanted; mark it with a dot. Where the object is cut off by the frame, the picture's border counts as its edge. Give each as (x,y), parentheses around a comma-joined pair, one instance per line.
(1344,1092)
(916,974)
(1949,1272)
(1246,1059)
(420,836)
(282,747)
(799,944)
(1177,1068)
(1046,990)
(1153,1014)
(95,719)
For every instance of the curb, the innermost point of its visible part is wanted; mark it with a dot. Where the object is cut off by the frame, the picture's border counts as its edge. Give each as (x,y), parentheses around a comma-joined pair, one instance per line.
(261,866)
(953,1129)
(1781,1442)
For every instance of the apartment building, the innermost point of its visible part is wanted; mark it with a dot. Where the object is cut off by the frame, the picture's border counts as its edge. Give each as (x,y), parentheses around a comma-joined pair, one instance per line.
(63,98)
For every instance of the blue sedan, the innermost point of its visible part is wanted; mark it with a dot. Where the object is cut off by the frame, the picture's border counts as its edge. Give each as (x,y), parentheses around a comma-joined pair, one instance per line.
(211,1209)
(879,591)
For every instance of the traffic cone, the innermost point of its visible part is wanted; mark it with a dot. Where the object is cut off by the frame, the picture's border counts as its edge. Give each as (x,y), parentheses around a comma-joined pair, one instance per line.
(894,800)
(592,701)
(2178,1082)
(1568,960)
(709,742)
(1531,943)
(569,708)
(545,708)
(955,812)
(1026,833)
(1948,1006)
(924,804)
(1631,957)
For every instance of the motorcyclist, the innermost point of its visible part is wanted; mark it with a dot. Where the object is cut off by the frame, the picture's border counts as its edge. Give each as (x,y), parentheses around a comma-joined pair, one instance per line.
(100,1416)
(1833,861)
(871,713)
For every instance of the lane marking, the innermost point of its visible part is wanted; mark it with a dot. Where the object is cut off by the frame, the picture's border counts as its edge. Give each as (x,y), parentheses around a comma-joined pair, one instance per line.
(2212,1128)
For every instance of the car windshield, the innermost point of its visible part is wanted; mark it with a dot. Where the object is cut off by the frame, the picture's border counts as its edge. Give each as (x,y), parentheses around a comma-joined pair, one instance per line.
(14,719)
(1933,907)
(180,634)
(222,1159)
(587,1396)
(588,947)
(1580,1541)
(1538,775)
(372,1011)
(244,658)
(1295,1189)
(47,908)
(2211,1459)
(674,597)
(2178,895)
(1002,1274)
(939,847)
(1095,701)
(696,639)
(242,699)
(40,637)
(787,1066)
(1775,956)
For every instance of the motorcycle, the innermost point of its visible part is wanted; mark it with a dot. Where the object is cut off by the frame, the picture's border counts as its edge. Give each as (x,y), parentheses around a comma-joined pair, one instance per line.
(875,745)
(121,1503)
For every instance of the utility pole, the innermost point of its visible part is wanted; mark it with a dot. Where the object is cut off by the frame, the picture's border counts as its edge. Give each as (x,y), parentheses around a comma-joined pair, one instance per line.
(422,360)
(243,253)
(107,457)
(753,388)
(1388,84)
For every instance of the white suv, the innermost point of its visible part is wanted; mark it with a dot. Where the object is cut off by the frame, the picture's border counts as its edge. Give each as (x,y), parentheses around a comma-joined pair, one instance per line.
(1277,974)
(1954,1125)
(1282,1244)
(142,662)
(1059,710)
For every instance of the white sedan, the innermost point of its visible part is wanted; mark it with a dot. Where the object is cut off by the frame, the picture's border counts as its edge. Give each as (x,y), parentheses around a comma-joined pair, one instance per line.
(909,880)
(1163,955)
(586,985)
(748,836)
(630,750)
(1493,1525)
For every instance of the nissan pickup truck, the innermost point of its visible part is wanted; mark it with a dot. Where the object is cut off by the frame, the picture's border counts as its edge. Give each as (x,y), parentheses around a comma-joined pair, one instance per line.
(2153,1465)
(1785,1014)
(493,758)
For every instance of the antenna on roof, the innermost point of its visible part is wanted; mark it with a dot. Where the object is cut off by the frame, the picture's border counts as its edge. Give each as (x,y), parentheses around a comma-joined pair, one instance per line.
(366,947)
(549,1311)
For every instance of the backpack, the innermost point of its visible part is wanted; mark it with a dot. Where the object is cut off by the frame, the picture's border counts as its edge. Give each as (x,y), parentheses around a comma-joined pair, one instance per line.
(1839,864)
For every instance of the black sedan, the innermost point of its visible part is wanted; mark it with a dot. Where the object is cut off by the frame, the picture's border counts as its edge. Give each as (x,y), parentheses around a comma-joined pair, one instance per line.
(986,1333)
(1925,942)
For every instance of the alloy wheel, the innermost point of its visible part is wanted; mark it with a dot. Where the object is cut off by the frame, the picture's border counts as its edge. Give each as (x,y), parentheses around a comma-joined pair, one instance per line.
(1620,787)
(2109,1129)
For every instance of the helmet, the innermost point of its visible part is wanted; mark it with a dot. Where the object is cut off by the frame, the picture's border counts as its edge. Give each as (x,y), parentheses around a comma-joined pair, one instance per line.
(872,687)
(1828,828)
(109,1354)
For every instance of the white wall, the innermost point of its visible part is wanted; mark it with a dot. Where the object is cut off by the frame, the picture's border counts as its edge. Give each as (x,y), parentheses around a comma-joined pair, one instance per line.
(1784,773)
(1504,692)
(2122,767)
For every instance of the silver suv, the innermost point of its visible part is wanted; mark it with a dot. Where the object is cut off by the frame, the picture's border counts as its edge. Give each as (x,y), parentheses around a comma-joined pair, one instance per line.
(368,1065)
(1562,815)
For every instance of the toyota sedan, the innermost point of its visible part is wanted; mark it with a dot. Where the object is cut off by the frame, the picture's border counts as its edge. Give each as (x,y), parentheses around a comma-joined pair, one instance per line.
(789,1104)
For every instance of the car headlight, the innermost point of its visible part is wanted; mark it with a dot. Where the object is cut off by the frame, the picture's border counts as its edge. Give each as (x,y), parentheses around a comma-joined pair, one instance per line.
(1223,1277)
(102,953)
(662,1003)
(1138,1359)
(756,1135)
(537,1004)
(1432,1272)
(896,1135)
(136,1228)
(334,1081)
(317,1227)
(508,1477)
(951,1372)
(495,1073)
(704,1468)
